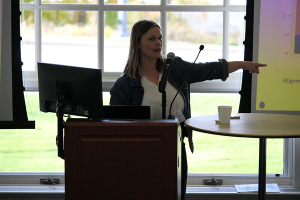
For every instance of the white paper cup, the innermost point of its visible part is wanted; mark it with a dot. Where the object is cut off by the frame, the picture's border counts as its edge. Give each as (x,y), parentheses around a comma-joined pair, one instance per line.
(224,113)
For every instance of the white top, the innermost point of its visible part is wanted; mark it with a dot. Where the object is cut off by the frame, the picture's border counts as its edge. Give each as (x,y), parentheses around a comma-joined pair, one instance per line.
(153,98)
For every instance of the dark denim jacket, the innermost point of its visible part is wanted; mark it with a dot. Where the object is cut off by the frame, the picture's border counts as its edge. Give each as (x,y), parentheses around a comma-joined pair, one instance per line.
(127,91)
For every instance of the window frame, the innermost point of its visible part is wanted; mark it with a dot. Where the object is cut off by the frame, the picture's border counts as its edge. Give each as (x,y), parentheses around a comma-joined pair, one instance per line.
(290,178)
(30,77)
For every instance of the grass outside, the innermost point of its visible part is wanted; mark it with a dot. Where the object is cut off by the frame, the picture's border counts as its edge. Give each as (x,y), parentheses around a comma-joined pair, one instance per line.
(35,150)
(222,154)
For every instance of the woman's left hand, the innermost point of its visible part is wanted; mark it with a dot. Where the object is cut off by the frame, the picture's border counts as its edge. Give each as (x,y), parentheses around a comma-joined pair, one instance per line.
(251,66)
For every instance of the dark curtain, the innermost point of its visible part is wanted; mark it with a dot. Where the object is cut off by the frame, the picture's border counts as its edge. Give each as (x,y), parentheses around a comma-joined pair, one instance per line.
(245,101)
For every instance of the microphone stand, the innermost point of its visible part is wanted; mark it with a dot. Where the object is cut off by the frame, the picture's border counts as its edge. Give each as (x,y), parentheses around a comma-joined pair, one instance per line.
(60,129)
(164,104)
(183,80)
(162,90)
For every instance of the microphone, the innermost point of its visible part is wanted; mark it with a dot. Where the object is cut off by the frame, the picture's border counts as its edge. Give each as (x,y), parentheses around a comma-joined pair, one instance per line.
(201,48)
(163,82)
(183,80)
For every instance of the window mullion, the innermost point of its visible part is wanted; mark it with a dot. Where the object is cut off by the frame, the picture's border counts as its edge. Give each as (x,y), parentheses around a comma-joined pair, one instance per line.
(226,23)
(163,21)
(101,36)
(296,162)
(288,157)
(38,34)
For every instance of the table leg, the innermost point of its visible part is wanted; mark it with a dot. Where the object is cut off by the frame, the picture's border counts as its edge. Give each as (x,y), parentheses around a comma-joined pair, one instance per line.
(262,169)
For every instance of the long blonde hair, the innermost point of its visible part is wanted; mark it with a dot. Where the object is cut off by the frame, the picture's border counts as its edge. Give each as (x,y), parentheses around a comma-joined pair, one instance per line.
(133,61)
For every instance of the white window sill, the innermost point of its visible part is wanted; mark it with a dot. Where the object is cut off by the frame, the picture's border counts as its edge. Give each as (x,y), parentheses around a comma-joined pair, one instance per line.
(32,189)
(191,191)
(231,189)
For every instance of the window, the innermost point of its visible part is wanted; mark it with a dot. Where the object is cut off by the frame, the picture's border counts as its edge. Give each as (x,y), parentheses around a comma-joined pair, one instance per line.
(69,37)
(91,33)
(95,33)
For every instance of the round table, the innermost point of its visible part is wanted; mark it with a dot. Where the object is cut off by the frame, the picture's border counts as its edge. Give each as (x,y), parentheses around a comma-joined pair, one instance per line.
(253,125)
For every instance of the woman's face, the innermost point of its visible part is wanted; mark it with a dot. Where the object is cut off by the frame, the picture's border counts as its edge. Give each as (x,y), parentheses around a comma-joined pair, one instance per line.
(151,44)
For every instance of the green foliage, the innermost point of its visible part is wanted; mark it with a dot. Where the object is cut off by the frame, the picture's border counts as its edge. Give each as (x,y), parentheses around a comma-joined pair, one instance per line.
(60,18)
(111,19)
(133,17)
(28,16)
(111,1)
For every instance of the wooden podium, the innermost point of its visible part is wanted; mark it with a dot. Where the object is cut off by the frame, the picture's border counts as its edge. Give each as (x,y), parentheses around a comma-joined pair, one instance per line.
(123,160)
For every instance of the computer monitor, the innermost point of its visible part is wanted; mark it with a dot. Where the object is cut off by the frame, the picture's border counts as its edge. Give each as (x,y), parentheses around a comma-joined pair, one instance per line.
(77,89)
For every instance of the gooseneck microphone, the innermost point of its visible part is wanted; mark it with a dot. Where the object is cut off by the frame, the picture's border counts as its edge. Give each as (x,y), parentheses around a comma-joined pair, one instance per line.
(184,79)
(163,82)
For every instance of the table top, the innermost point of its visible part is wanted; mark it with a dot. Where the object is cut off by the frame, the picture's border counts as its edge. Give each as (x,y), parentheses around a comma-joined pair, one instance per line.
(255,125)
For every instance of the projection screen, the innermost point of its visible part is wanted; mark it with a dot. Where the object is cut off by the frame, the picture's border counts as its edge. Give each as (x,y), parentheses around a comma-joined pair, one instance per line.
(277,43)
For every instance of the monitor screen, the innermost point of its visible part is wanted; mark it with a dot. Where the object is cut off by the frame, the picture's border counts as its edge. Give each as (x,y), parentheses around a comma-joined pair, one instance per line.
(79,90)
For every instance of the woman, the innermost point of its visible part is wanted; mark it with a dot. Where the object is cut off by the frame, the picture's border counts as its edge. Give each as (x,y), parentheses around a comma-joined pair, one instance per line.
(139,83)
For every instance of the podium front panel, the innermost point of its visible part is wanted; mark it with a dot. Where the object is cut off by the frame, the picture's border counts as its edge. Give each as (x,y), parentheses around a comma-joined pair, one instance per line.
(123,160)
